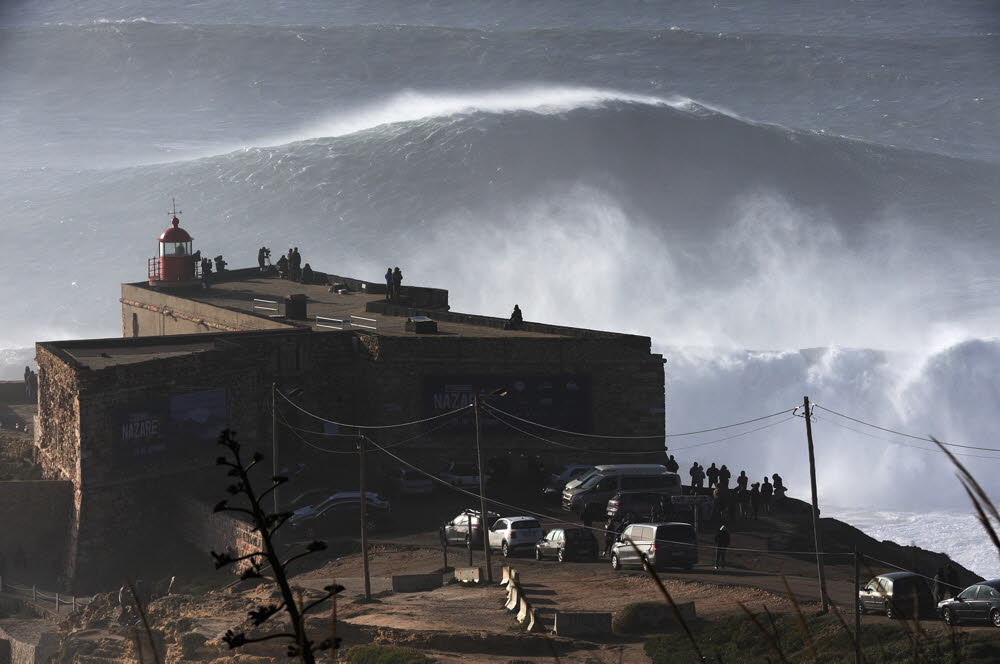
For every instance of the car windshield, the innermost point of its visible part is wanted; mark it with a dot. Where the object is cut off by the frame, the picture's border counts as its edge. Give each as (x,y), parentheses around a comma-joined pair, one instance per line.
(587,476)
(525,525)
(591,482)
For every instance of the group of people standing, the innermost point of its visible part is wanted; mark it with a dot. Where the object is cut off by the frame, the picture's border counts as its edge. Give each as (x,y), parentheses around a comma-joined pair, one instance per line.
(393,283)
(30,384)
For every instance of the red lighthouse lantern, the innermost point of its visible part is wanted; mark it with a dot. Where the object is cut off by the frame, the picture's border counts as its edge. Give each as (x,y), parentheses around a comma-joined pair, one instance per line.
(175,264)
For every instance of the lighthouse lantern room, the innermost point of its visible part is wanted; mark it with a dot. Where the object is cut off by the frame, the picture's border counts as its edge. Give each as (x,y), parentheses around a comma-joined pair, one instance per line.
(176,264)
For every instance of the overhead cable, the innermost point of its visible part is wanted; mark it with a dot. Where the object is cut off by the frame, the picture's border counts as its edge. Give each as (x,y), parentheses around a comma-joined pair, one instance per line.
(907,435)
(368,426)
(671,435)
(899,442)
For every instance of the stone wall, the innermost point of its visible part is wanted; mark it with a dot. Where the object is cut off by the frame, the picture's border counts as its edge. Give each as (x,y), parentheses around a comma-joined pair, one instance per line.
(36,517)
(30,641)
(209,531)
(147,312)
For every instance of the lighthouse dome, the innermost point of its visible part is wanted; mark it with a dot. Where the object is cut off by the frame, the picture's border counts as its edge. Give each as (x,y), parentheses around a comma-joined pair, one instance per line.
(175,233)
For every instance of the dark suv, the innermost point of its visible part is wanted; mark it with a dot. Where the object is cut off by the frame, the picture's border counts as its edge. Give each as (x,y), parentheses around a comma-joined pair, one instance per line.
(896,594)
(637,505)
(567,544)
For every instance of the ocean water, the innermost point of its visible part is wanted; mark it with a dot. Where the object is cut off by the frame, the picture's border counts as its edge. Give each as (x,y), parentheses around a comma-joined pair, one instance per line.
(788,203)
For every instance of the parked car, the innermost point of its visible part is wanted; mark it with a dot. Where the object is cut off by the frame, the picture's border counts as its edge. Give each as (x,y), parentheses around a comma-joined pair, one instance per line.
(456,531)
(412,483)
(637,505)
(557,481)
(895,593)
(598,486)
(461,475)
(977,603)
(339,512)
(567,544)
(515,533)
(669,544)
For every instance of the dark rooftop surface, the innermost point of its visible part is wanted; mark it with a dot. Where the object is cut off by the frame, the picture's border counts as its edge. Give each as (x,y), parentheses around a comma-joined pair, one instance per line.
(239,294)
(101,356)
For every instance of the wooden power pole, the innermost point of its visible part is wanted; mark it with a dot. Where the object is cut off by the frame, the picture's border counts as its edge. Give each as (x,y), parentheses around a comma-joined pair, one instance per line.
(817,535)
(364,515)
(857,607)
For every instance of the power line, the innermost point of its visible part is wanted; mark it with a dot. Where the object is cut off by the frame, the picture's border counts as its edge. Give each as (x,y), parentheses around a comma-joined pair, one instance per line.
(541,515)
(907,435)
(737,435)
(380,426)
(574,447)
(672,435)
(398,443)
(631,452)
(899,442)
(903,569)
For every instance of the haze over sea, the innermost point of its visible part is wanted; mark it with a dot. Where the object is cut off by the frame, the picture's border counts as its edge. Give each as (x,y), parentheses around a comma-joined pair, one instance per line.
(734,179)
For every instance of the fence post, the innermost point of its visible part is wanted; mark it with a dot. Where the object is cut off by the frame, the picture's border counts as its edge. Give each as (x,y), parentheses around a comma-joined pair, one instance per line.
(57,603)
(1,584)
(34,593)
(74,602)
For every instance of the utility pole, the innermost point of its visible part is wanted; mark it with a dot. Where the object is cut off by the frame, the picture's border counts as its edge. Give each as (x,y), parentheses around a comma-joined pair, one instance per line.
(815,508)
(274,442)
(364,515)
(482,501)
(857,607)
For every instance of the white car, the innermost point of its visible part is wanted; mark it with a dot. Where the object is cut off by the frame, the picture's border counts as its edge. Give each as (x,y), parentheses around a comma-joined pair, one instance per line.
(462,475)
(515,533)
(338,501)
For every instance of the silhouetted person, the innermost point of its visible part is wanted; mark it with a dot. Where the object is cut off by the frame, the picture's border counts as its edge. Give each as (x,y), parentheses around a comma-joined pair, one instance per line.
(261,258)
(206,271)
(713,475)
(742,480)
(721,545)
(397,283)
(672,464)
(755,500)
(516,321)
(295,264)
(282,266)
(27,382)
(939,587)
(388,284)
(590,513)
(724,476)
(27,370)
(307,274)
(779,488)
(613,528)
(220,265)
(766,490)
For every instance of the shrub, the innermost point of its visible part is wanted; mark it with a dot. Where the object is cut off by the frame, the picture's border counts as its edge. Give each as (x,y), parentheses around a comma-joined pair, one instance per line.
(385,655)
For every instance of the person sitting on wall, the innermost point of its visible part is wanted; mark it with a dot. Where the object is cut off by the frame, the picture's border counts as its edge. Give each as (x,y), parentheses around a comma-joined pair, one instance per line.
(307,274)
(282,266)
(516,320)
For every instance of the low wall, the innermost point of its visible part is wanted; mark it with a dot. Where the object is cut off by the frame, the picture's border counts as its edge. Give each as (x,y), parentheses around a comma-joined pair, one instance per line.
(391,309)
(414,296)
(12,391)
(217,531)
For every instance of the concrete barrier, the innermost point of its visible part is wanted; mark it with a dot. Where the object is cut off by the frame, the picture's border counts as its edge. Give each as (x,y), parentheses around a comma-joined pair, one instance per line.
(523,610)
(469,574)
(515,597)
(411,583)
(515,576)
(510,591)
(582,623)
(533,622)
(506,575)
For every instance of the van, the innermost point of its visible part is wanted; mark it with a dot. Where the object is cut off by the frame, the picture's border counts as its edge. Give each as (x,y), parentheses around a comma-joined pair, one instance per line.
(663,545)
(599,485)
